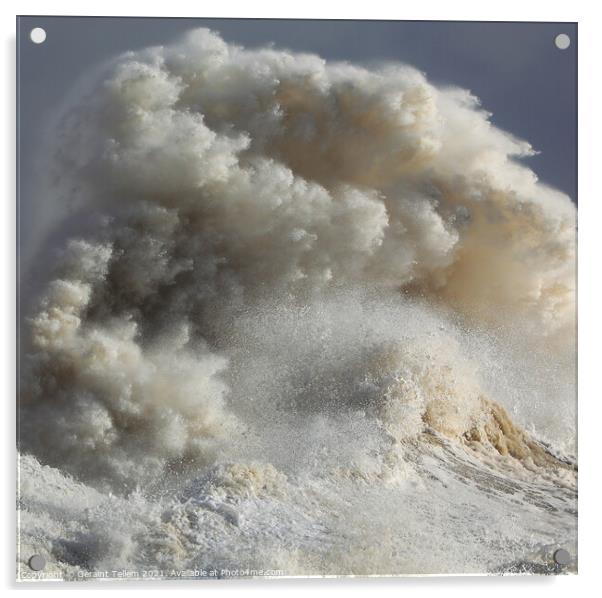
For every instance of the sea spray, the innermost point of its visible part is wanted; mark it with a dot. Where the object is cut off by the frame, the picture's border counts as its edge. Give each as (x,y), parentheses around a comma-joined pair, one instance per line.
(303,294)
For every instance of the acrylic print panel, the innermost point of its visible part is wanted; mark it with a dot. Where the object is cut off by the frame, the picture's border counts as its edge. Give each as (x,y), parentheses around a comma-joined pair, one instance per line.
(296,298)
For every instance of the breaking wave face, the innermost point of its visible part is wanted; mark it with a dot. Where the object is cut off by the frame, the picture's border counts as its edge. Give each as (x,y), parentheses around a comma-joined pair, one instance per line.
(315,318)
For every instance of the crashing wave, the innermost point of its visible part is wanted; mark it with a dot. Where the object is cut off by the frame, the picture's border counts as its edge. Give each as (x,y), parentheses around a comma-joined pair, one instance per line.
(291,274)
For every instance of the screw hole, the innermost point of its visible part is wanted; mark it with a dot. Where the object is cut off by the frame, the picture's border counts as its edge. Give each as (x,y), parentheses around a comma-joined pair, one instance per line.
(562,557)
(37,35)
(562,41)
(37,562)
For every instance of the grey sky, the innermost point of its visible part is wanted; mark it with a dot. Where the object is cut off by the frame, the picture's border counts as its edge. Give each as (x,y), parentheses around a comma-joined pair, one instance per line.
(521,77)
